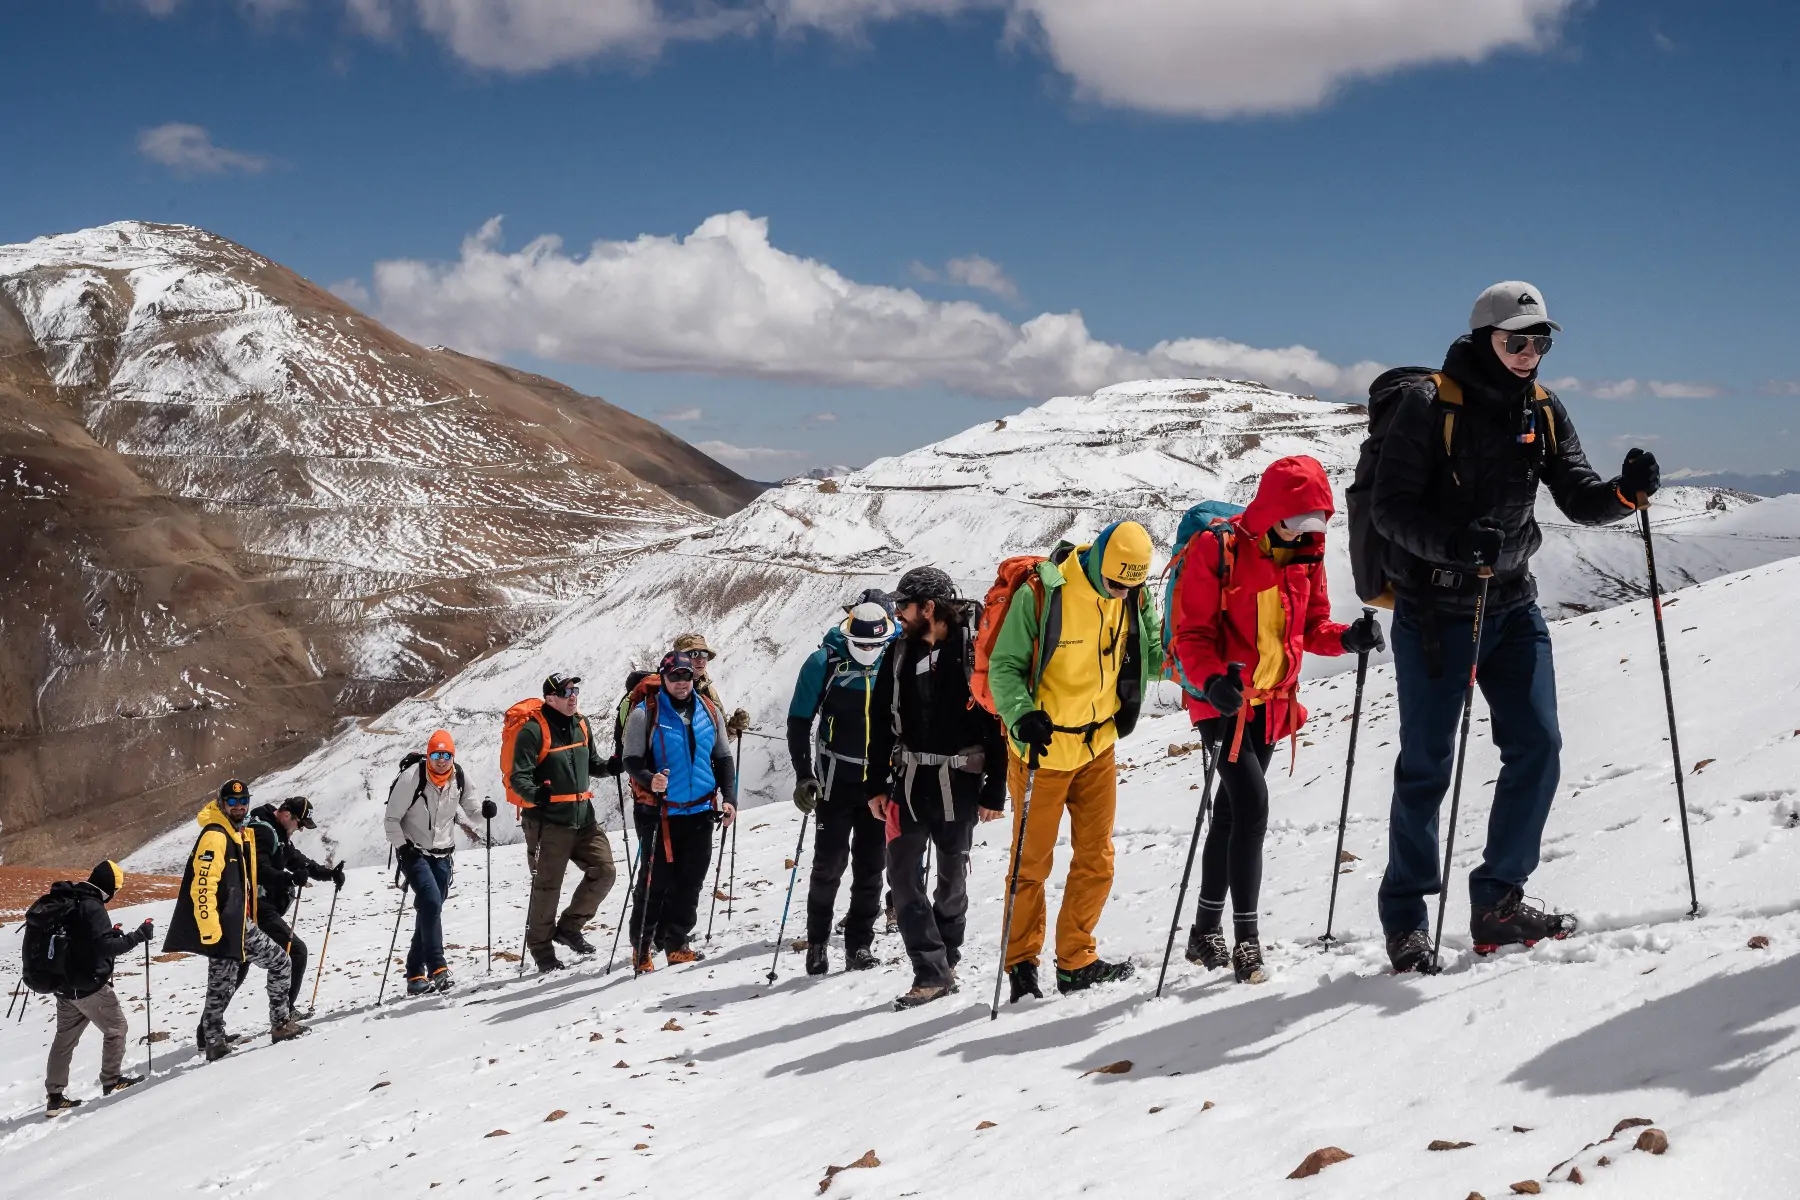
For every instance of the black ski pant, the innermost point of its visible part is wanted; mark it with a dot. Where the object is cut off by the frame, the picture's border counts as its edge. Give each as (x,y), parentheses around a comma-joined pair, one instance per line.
(932,927)
(282,935)
(1231,862)
(671,873)
(849,835)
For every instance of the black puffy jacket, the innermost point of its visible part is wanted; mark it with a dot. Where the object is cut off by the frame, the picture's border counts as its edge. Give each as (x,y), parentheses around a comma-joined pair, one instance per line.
(1423,496)
(281,866)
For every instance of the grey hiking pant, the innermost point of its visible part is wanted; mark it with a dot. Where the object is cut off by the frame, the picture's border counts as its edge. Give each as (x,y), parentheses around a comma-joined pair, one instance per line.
(222,983)
(100,1009)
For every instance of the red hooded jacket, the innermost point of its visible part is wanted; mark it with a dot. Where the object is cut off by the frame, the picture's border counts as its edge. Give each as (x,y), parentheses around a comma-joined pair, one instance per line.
(1263,603)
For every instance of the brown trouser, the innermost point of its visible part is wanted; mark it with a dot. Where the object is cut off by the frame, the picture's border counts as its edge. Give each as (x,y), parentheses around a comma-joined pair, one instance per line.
(72,1019)
(549,849)
(1091,795)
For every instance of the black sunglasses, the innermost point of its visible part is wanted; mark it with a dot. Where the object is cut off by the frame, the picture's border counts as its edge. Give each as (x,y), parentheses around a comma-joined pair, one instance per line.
(1539,343)
(679,675)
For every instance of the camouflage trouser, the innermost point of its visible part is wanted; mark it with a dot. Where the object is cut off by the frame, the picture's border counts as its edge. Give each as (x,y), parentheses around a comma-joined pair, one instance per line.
(222,983)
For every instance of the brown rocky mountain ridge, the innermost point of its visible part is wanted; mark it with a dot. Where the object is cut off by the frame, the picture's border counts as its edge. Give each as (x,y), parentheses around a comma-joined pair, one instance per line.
(234,511)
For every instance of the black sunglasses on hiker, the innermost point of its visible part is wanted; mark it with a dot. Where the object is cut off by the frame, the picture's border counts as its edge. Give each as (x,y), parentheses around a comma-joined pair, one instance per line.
(678,675)
(1538,342)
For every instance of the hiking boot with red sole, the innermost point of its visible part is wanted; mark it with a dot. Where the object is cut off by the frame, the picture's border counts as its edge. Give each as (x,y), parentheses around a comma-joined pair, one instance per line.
(1513,922)
(683,955)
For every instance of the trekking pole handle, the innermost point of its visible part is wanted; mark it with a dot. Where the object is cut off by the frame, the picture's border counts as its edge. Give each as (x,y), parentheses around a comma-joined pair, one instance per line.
(1643,500)
(1236,671)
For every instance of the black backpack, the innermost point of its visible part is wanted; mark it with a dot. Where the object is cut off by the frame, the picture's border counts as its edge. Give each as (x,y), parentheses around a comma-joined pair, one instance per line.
(54,943)
(1368,549)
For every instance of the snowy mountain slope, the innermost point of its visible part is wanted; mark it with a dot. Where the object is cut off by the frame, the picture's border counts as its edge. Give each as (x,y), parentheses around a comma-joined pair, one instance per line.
(706,1079)
(766,583)
(238,509)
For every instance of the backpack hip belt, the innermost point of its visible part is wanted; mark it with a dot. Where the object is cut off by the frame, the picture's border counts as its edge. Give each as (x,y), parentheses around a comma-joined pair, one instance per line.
(832,758)
(1251,695)
(971,760)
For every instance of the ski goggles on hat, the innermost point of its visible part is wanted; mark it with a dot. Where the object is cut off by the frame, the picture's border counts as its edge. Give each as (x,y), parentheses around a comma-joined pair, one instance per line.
(678,675)
(1539,343)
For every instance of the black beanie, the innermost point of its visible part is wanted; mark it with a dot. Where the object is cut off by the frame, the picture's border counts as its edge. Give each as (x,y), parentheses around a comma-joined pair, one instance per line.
(109,877)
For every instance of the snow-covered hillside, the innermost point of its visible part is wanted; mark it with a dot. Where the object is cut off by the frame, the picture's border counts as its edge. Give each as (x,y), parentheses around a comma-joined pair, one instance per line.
(705,1079)
(766,583)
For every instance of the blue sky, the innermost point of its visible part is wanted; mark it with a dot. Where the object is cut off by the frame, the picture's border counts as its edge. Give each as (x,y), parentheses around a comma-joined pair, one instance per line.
(1242,190)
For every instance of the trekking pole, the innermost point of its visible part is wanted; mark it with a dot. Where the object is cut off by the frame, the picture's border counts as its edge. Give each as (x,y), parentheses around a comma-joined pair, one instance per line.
(1012,889)
(17,988)
(318,976)
(388,962)
(490,895)
(1200,816)
(731,875)
(1662,651)
(631,883)
(1462,756)
(1362,673)
(718,870)
(793,874)
(149,1046)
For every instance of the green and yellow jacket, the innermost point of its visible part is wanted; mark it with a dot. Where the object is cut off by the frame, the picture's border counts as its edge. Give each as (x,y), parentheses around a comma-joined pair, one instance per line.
(1069,648)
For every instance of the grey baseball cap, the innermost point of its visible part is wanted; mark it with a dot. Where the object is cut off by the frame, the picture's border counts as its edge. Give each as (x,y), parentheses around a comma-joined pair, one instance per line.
(1511,304)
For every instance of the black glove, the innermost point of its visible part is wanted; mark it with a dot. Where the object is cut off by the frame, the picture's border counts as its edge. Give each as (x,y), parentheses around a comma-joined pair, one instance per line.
(615,766)
(543,793)
(1225,693)
(1035,730)
(337,877)
(146,931)
(1640,475)
(807,794)
(1363,636)
(489,810)
(1479,544)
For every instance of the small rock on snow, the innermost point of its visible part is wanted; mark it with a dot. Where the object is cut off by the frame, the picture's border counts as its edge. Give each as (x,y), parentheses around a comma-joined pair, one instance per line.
(1527,1187)
(1318,1160)
(1653,1140)
(498,1133)
(1630,1123)
(1122,1067)
(1759,942)
(557,1114)
(1441,1144)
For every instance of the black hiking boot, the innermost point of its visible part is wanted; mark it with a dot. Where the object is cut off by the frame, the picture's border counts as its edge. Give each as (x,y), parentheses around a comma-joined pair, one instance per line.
(861,959)
(56,1104)
(217,1050)
(1513,922)
(120,1084)
(547,963)
(231,1039)
(817,963)
(1024,979)
(1206,948)
(1098,971)
(573,941)
(441,980)
(418,985)
(1411,952)
(1247,962)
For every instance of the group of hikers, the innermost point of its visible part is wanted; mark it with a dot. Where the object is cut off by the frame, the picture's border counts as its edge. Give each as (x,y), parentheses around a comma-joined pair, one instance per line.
(924,713)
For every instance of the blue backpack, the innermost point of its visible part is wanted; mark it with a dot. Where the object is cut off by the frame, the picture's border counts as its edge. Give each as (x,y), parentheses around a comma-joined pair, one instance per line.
(1218,517)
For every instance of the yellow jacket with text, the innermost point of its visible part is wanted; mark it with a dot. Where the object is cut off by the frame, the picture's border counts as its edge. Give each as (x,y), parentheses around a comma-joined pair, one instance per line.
(217,902)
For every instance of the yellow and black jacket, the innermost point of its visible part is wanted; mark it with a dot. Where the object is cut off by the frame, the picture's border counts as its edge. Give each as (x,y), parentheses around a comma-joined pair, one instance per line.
(217,902)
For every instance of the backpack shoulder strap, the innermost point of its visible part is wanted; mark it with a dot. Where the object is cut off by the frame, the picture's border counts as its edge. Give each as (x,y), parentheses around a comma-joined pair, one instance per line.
(1450,395)
(1543,403)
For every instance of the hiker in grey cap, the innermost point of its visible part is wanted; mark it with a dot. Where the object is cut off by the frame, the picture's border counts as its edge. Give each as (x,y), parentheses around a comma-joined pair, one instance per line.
(1444,496)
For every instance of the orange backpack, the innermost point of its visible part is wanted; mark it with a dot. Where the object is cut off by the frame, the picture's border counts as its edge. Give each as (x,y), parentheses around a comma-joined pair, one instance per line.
(1017,570)
(516,717)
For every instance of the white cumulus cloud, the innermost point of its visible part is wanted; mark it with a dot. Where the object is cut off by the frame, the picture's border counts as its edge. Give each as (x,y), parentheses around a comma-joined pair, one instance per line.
(749,457)
(974,271)
(190,150)
(725,300)
(1210,58)
(1680,389)
(1626,389)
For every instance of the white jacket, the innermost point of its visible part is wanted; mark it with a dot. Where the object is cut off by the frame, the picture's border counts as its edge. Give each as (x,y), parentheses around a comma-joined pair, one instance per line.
(421,812)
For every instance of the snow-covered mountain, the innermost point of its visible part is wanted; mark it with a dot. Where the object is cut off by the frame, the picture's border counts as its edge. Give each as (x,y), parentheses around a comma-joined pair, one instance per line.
(766,583)
(233,509)
(1502,1076)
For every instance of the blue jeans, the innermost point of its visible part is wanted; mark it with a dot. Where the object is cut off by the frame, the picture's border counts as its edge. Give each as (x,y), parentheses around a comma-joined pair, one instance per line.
(430,880)
(1518,679)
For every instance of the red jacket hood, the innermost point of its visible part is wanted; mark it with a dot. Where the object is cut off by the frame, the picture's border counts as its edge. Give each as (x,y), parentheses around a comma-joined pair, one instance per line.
(1289,487)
